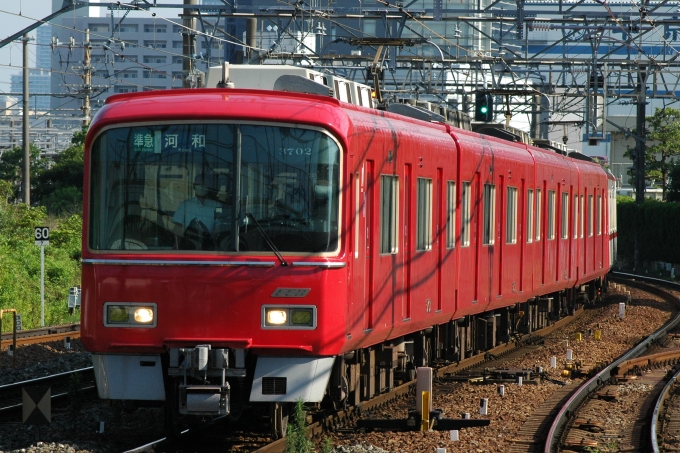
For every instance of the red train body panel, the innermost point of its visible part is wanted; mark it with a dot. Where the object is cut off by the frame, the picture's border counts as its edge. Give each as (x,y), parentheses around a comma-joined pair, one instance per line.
(433,224)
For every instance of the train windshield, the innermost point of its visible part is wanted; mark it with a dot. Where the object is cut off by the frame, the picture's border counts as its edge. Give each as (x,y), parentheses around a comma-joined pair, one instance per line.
(206,186)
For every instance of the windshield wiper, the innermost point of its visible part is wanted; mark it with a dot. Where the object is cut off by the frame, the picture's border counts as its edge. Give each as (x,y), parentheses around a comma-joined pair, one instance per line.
(267,240)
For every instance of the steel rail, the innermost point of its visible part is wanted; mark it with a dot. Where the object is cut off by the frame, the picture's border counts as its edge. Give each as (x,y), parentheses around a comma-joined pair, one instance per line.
(42,335)
(557,428)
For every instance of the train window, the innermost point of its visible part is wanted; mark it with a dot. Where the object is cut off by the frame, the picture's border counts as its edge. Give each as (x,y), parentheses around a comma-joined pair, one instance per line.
(357,213)
(530,215)
(551,214)
(539,209)
(203,187)
(590,215)
(389,204)
(451,214)
(511,217)
(575,216)
(466,213)
(599,215)
(424,215)
(489,218)
(581,216)
(565,215)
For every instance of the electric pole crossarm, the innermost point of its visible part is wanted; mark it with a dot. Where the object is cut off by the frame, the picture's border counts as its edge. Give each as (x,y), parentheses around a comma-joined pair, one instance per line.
(67,8)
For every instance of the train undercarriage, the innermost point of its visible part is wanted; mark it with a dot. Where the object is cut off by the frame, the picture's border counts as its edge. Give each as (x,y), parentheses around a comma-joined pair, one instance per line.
(200,386)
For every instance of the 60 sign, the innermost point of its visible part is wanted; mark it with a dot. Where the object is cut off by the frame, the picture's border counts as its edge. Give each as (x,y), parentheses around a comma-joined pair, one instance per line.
(42,235)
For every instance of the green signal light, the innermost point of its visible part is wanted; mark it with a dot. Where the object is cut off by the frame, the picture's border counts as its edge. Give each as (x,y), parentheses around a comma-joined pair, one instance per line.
(484,109)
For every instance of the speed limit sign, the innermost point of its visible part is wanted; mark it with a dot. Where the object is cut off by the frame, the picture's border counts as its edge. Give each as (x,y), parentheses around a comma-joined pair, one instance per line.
(42,235)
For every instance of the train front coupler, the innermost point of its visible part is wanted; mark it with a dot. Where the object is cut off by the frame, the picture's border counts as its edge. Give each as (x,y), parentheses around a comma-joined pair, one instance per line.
(204,390)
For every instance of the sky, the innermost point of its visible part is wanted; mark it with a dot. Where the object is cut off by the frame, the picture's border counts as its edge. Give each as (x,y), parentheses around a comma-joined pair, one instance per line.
(18,14)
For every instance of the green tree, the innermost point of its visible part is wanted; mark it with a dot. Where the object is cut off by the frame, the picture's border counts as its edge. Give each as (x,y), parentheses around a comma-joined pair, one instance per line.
(11,165)
(60,187)
(664,135)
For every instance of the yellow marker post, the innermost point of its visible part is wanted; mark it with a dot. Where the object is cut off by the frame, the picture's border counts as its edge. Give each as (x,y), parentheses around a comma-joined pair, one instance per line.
(598,334)
(425,416)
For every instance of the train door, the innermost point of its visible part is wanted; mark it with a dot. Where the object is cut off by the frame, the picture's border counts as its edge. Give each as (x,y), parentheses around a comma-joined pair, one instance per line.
(439,241)
(369,200)
(408,257)
(424,289)
(359,261)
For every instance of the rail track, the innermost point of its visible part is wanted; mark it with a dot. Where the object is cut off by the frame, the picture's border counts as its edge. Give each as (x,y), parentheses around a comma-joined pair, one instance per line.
(42,335)
(321,423)
(61,386)
(578,424)
(543,421)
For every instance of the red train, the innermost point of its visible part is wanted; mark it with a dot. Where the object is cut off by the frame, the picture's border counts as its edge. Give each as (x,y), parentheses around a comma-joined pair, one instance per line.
(249,248)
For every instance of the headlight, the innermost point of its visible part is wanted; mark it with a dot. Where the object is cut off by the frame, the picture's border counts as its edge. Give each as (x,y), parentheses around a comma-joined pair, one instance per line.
(143,315)
(276,317)
(289,317)
(125,314)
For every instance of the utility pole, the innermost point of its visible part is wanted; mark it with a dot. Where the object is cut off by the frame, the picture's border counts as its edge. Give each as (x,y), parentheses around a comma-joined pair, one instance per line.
(188,43)
(87,79)
(640,134)
(26,145)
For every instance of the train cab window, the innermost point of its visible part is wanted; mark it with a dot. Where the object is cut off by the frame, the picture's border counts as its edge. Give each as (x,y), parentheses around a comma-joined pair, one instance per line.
(575,226)
(466,198)
(511,217)
(204,187)
(539,212)
(551,215)
(530,216)
(590,215)
(581,216)
(450,214)
(489,215)
(565,215)
(424,215)
(389,204)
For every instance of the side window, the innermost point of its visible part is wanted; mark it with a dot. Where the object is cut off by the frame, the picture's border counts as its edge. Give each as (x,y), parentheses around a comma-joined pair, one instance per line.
(539,209)
(389,204)
(357,213)
(489,216)
(575,216)
(565,215)
(530,215)
(511,219)
(450,214)
(599,215)
(465,224)
(581,216)
(424,215)
(551,214)
(590,215)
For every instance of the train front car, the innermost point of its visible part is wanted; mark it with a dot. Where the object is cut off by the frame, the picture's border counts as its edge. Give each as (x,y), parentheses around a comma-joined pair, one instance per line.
(213,272)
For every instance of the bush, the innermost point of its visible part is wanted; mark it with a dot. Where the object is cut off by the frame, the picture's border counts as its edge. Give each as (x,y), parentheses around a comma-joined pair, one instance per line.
(654,224)
(20,270)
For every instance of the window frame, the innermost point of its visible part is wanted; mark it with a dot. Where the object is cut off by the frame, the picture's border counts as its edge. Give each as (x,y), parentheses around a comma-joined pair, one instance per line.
(423,214)
(466,214)
(489,214)
(511,216)
(552,198)
(565,216)
(450,214)
(539,213)
(530,216)
(389,214)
